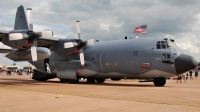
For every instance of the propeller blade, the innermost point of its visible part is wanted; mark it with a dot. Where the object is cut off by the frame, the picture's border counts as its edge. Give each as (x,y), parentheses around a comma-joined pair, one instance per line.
(70,44)
(81,55)
(30,19)
(78,28)
(34,53)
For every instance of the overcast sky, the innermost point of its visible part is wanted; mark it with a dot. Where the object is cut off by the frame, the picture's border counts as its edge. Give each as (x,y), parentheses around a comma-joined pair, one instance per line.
(111,19)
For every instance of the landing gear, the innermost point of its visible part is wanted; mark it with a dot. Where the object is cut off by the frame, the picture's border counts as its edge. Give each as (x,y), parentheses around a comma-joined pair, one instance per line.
(100,80)
(90,80)
(74,81)
(41,76)
(63,80)
(159,81)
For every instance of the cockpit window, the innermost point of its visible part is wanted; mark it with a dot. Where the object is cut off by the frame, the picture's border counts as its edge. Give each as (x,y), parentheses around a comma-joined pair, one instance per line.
(158,46)
(162,45)
(167,45)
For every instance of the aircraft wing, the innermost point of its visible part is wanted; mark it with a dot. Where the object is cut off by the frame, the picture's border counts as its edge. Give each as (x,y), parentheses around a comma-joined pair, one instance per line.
(5,50)
(46,41)
(3,33)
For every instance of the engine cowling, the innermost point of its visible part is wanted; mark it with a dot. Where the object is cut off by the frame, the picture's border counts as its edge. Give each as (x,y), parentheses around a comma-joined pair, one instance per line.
(25,55)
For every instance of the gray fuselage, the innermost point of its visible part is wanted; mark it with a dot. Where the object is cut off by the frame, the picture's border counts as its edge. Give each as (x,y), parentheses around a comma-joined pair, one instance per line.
(131,58)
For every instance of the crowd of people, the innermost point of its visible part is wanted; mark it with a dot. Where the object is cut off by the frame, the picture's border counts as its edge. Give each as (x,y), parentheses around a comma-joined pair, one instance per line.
(10,72)
(187,75)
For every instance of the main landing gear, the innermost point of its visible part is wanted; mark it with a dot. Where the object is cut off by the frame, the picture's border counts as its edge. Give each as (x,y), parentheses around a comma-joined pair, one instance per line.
(89,80)
(159,81)
(92,80)
(70,81)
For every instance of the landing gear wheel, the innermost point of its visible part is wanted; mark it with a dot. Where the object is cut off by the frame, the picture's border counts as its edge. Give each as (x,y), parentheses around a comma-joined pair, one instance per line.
(161,81)
(63,80)
(41,79)
(74,81)
(90,80)
(100,80)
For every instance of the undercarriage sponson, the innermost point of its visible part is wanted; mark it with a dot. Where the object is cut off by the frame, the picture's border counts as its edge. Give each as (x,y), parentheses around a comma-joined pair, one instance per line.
(40,76)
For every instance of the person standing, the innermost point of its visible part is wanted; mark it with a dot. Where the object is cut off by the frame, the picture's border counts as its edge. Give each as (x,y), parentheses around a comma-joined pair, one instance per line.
(196,74)
(184,75)
(179,78)
(191,74)
(1,71)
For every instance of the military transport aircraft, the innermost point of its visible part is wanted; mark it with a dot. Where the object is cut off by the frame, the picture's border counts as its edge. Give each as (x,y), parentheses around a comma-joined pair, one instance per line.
(72,59)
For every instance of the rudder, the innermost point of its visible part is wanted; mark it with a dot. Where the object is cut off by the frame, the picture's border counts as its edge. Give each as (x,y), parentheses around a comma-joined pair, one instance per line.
(20,19)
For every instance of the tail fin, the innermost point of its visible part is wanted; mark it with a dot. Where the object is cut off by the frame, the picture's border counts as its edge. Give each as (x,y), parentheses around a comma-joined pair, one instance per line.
(20,19)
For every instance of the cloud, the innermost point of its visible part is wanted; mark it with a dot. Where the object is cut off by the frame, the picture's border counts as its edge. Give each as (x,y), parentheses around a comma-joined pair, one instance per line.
(113,19)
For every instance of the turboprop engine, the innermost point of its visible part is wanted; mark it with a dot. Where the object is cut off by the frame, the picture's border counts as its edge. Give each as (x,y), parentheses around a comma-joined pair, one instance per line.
(25,55)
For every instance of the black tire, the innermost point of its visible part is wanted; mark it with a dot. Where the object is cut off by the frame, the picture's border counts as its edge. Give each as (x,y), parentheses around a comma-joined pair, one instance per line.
(90,80)
(161,81)
(62,80)
(74,81)
(100,80)
(41,79)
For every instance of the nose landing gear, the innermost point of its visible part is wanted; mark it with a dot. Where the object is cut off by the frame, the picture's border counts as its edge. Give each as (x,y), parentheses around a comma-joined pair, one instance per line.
(159,81)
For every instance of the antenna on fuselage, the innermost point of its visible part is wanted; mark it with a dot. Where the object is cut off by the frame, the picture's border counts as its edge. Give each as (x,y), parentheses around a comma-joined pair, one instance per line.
(125,37)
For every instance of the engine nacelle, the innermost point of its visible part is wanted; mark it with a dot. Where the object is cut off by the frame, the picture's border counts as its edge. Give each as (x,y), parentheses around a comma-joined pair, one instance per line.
(17,36)
(25,55)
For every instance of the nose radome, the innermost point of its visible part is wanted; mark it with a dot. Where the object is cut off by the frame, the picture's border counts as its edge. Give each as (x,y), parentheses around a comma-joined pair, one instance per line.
(184,63)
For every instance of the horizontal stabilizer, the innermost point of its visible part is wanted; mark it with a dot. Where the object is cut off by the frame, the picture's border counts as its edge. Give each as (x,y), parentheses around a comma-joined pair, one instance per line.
(5,50)
(3,33)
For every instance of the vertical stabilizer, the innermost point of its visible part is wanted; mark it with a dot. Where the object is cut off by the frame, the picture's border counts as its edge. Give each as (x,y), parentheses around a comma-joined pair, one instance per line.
(20,19)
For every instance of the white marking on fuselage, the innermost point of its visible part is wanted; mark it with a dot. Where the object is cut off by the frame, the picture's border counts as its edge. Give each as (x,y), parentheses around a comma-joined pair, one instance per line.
(157,58)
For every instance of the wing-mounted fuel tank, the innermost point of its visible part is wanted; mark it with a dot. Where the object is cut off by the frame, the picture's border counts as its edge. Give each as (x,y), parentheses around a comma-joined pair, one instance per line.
(25,55)
(73,69)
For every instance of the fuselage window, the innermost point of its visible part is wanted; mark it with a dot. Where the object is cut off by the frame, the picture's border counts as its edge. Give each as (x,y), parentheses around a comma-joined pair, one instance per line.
(168,56)
(165,56)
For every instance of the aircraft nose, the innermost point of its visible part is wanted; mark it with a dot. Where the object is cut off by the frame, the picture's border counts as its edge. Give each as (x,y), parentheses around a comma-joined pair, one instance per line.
(184,63)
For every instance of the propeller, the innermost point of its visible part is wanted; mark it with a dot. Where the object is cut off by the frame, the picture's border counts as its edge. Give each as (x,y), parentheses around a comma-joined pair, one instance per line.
(78,28)
(29,18)
(78,43)
(29,34)
(81,53)
(32,35)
